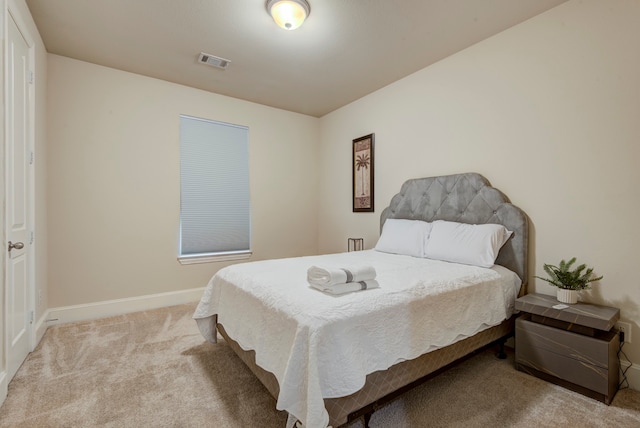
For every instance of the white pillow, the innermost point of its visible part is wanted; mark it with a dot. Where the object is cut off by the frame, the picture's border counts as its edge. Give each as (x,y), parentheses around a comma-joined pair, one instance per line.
(400,236)
(471,244)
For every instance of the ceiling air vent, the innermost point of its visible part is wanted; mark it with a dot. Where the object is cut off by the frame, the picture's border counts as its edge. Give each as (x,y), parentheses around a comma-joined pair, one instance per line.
(213,61)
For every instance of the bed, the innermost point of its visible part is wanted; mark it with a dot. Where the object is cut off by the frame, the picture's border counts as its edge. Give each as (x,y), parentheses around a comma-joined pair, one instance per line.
(329,359)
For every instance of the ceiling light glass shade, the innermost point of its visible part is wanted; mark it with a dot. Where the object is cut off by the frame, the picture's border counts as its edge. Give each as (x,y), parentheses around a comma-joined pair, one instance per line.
(288,14)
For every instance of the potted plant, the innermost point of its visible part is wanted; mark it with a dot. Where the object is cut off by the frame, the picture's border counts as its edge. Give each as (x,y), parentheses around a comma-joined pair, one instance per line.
(569,281)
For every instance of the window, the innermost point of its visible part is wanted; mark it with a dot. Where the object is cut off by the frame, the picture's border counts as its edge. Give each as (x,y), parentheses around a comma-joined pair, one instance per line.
(215,221)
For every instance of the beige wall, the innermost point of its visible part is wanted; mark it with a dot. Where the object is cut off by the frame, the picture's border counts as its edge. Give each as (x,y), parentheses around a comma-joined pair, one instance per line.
(114,184)
(548,111)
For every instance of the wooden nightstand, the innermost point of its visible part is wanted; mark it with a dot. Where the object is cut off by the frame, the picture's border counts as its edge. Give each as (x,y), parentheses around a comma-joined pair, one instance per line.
(574,347)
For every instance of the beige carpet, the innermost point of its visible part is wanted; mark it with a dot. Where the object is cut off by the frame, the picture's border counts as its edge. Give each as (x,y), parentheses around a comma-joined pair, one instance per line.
(153,369)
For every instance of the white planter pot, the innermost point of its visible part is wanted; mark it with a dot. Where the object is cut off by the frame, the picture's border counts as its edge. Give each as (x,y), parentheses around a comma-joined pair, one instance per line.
(567,296)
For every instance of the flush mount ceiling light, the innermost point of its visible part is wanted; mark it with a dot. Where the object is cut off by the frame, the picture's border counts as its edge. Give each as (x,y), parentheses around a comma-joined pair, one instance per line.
(288,14)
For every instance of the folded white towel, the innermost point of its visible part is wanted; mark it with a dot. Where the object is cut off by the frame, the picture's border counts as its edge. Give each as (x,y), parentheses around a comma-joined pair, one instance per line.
(347,287)
(326,276)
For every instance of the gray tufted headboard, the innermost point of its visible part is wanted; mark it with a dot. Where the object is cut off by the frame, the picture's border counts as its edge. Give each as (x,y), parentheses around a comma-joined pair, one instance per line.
(465,198)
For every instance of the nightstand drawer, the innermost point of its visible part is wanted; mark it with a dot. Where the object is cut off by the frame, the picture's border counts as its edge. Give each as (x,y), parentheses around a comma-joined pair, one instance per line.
(574,347)
(588,362)
(563,367)
(591,350)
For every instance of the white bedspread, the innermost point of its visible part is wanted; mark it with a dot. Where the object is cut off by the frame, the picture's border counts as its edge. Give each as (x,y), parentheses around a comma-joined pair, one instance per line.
(323,346)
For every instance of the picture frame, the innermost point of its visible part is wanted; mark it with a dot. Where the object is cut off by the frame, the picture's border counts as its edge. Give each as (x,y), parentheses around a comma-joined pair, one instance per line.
(363,174)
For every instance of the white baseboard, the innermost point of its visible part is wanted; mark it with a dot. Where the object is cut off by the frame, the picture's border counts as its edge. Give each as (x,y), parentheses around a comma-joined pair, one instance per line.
(104,309)
(110,308)
(40,328)
(4,387)
(632,373)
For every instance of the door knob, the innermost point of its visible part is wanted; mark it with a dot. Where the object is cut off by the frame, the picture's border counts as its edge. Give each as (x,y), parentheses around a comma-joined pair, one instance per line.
(17,246)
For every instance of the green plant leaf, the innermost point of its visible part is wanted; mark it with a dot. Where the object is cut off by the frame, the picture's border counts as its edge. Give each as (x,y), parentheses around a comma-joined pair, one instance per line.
(562,276)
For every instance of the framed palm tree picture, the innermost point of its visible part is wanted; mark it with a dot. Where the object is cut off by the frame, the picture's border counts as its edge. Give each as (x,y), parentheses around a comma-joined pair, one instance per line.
(363,174)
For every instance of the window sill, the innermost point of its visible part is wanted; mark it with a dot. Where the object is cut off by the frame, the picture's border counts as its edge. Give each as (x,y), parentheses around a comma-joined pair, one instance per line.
(210,258)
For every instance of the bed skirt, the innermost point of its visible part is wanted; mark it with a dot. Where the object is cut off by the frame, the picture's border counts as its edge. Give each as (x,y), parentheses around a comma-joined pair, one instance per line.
(381,384)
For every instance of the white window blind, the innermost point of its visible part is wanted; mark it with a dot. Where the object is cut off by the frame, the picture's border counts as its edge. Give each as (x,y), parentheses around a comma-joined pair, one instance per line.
(215,216)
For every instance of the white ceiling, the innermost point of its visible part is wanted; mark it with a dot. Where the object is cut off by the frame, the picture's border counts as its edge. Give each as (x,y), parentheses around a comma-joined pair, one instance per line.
(346,49)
